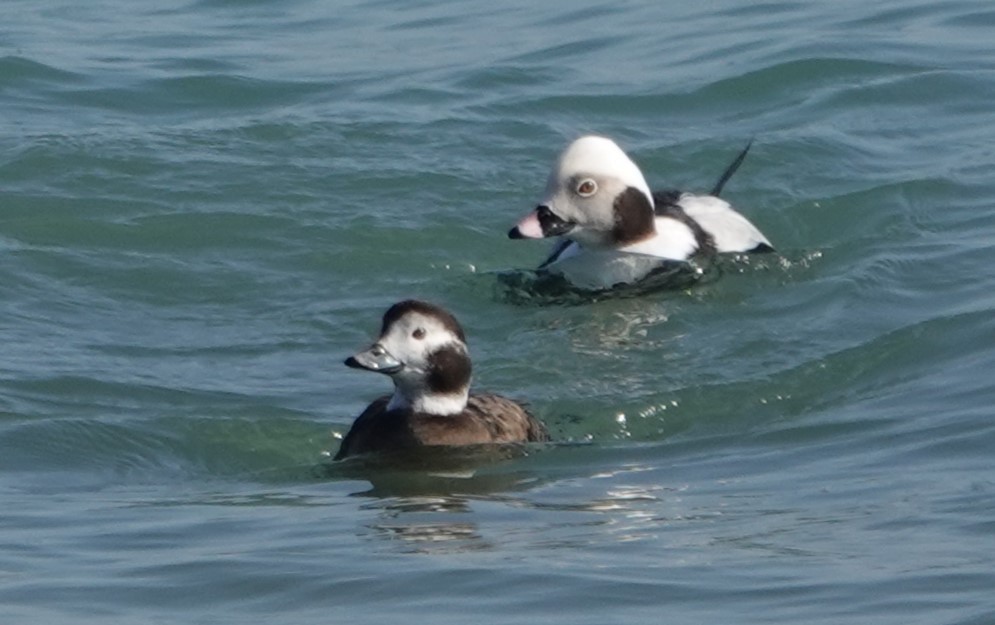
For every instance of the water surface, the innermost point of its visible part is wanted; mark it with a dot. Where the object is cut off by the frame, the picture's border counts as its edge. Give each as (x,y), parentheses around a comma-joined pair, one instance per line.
(207,205)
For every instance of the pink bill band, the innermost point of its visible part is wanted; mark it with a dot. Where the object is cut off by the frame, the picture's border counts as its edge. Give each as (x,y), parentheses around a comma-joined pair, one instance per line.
(529,227)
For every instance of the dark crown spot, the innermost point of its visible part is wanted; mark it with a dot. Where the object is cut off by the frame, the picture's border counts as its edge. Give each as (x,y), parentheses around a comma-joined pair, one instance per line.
(398,310)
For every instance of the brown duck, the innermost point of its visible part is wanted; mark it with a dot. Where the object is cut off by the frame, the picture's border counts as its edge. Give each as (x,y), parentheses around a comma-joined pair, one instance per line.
(423,349)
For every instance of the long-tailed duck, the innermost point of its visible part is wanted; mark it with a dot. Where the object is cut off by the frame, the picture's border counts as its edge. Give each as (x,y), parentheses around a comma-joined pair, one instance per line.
(616,231)
(423,349)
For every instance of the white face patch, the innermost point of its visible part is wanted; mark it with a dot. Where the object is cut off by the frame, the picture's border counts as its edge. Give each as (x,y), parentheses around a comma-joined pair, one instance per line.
(599,157)
(414,336)
(584,183)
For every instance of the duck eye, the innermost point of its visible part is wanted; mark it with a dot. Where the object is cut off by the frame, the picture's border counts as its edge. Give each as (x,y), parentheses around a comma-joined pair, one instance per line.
(418,334)
(587,188)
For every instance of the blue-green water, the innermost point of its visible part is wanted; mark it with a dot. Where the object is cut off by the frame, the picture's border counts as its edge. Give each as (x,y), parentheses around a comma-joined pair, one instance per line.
(205,206)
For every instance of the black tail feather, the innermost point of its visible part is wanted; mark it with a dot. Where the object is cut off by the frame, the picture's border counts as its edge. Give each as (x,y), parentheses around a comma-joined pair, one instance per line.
(731,169)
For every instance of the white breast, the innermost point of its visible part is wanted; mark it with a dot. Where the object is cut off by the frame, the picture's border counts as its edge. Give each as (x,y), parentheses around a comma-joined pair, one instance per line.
(674,240)
(602,269)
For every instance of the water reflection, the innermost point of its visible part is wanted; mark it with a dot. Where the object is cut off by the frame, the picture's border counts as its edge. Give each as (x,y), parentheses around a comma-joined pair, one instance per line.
(513,507)
(427,524)
(612,329)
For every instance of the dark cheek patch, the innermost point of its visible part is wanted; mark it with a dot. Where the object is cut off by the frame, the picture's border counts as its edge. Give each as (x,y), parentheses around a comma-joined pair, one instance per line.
(634,219)
(449,371)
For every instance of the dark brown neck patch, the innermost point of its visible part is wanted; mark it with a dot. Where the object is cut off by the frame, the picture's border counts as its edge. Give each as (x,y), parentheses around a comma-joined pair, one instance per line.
(634,220)
(449,371)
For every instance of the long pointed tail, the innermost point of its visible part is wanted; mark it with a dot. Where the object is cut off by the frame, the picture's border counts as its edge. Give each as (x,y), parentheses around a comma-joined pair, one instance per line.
(730,170)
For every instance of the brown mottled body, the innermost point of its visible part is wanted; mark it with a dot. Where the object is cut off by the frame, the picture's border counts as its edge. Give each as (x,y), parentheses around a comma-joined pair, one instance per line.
(487,419)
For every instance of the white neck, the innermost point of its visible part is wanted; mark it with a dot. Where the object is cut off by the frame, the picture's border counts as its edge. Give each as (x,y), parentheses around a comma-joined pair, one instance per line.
(430,403)
(673,240)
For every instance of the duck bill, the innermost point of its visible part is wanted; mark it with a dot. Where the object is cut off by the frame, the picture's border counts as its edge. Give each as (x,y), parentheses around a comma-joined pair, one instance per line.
(540,224)
(528,228)
(376,358)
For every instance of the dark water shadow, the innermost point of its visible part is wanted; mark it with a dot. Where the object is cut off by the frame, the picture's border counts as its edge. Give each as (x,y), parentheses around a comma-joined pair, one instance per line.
(522,287)
(437,471)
